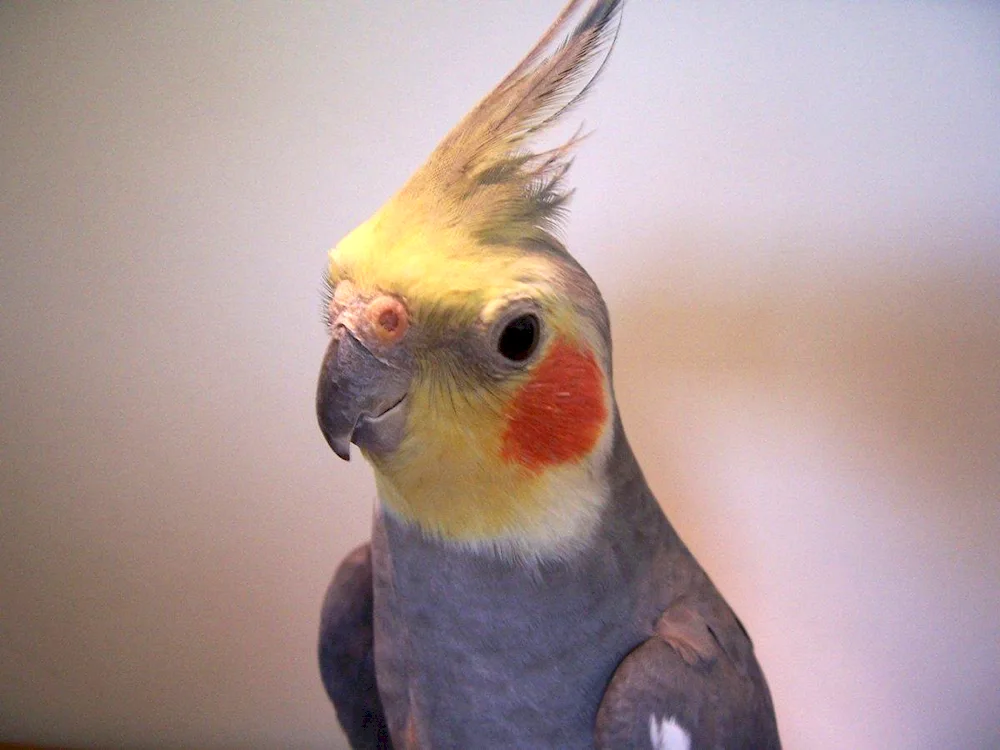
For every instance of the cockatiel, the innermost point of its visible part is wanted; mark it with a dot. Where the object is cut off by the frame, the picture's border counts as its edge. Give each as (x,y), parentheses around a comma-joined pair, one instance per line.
(522,588)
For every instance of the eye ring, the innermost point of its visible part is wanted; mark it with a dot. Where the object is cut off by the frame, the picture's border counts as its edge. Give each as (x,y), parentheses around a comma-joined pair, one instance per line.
(519,338)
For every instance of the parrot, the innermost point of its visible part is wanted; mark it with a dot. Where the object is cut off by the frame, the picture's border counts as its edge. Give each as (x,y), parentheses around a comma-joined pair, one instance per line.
(522,587)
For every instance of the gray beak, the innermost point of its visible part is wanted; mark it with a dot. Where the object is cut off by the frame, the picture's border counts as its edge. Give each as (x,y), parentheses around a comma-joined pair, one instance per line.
(360,398)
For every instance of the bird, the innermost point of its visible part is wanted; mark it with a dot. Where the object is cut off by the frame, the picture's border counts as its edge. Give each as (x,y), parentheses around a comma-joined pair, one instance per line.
(522,587)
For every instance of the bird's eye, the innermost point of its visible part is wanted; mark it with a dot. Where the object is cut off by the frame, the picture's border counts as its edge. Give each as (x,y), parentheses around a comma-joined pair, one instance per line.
(519,338)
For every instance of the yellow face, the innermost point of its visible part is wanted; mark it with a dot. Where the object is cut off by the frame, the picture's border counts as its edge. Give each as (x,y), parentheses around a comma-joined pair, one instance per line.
(495,451)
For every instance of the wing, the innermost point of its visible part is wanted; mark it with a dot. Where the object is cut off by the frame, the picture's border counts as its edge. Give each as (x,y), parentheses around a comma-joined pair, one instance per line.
(346,659)
(694,684)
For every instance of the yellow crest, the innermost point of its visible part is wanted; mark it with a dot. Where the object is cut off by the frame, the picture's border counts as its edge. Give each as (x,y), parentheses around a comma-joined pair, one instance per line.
(460,225)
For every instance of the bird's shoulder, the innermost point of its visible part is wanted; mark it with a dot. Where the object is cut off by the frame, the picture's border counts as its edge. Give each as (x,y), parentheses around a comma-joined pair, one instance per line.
(694,683)
(346,656)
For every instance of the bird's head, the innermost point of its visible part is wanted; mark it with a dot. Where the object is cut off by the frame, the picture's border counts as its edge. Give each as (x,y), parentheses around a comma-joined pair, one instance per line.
(470,355)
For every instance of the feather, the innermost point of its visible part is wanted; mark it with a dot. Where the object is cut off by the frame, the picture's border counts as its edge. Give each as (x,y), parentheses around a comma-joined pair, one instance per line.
(484,177)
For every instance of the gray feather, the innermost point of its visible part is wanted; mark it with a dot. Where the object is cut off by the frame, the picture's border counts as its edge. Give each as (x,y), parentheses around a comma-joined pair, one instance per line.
(476,651)
(346,654)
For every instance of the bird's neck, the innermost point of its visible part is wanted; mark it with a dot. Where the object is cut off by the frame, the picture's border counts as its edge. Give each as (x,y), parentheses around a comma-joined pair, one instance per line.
(459,501)
(528,478)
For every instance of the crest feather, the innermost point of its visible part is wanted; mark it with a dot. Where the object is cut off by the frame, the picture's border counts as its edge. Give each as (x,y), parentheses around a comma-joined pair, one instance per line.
(484,176)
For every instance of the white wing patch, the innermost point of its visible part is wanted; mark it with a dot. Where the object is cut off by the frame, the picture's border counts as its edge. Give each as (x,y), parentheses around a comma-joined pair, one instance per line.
(667,734)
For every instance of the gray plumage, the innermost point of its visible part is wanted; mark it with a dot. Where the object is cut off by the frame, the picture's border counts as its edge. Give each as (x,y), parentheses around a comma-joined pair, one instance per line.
(472,652)
(346,653)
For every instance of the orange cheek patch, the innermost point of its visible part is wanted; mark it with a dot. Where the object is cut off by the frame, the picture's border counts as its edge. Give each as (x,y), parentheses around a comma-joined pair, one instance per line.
(558,415)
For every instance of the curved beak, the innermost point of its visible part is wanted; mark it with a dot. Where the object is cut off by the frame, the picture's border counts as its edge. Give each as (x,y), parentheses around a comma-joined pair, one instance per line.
(360,397)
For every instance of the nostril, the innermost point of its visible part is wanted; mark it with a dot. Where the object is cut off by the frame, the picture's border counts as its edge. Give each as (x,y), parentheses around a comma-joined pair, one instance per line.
(340,298)
(389,318)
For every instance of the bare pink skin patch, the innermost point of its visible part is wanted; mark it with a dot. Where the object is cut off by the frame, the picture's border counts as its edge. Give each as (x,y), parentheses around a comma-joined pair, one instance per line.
(389,318)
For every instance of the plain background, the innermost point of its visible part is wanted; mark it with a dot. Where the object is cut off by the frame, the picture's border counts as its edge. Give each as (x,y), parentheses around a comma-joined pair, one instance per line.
(793,209)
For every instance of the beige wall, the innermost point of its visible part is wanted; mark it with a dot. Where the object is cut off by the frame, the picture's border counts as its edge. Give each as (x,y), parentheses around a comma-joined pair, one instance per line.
(793,210)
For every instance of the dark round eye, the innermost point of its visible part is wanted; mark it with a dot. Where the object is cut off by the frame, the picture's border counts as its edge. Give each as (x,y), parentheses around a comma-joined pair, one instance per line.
(519,338)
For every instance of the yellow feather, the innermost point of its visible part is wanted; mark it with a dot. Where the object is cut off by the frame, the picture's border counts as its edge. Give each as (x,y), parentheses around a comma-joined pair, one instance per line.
(448,476)
(435,266)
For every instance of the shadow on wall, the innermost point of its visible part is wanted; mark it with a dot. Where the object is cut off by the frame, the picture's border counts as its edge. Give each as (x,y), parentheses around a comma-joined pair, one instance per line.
(839,438)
